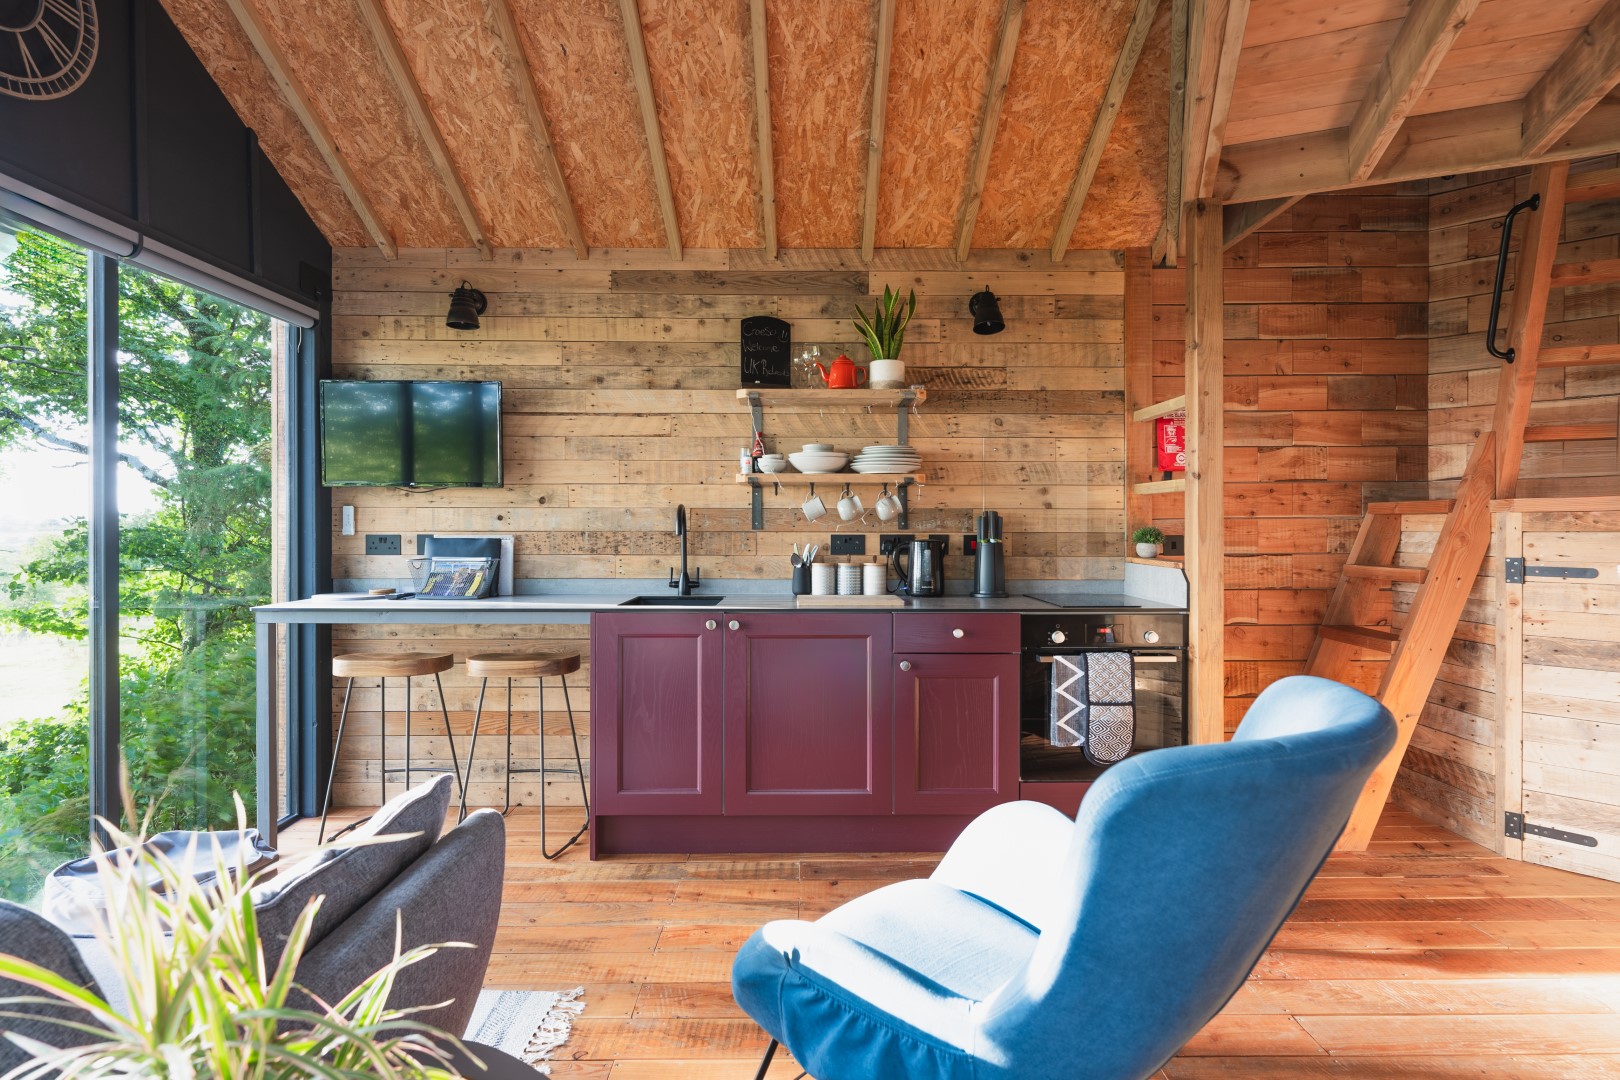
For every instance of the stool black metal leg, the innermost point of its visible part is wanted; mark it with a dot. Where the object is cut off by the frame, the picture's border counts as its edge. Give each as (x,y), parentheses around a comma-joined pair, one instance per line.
(472,750)
(449,737)
(578,764)
(337,746)
(765,1063)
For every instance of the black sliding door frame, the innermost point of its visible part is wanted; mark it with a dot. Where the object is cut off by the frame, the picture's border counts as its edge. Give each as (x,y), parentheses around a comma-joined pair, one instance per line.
(101,373)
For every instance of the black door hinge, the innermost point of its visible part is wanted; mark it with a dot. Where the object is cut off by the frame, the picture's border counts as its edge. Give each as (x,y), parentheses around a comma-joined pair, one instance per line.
(1516,570)
(1514,827)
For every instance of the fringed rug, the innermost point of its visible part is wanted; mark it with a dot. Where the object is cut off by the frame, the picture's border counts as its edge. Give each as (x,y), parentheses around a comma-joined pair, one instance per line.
(528,1024)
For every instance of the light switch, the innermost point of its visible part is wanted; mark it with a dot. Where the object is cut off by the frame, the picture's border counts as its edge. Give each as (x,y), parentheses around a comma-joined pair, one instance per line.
(348,521)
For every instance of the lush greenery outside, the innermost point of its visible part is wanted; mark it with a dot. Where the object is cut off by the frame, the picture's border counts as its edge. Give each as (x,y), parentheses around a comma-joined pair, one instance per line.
(194,497)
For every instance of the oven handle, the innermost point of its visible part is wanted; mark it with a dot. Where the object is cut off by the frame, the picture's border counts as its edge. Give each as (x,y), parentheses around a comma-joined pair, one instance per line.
(1140,658)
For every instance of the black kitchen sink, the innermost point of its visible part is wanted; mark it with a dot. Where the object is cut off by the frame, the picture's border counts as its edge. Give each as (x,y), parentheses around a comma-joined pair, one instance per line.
(672,601)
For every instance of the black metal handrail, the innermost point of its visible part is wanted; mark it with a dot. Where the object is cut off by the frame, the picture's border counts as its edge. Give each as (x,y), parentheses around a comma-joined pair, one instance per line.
(1532,203)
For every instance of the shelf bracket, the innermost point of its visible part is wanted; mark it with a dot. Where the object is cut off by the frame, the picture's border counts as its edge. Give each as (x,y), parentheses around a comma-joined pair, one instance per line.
(757,411)
(903,421)
(759,504)
(905,504)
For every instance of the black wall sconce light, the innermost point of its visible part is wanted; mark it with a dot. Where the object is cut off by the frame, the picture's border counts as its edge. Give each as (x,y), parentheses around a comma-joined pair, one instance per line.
(986,313)
(466,304)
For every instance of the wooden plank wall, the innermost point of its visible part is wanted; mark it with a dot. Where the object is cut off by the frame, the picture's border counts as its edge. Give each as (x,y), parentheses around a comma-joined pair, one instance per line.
(1450,774)
(1325,368)
(620,401)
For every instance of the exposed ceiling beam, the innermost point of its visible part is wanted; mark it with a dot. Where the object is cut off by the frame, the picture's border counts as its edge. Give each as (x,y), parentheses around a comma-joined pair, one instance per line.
(1214,40)
(1578,80)
(1167,247)
(649,122)
(276,64)
(529,98)
(762,124)
(1101,128)
(1433,144)
(875,133)
(995,95)
(416,107)
(1243,219)
(1422,43)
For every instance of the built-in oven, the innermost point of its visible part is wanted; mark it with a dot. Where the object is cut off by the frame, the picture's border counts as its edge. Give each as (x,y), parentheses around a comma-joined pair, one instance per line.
(1156,642)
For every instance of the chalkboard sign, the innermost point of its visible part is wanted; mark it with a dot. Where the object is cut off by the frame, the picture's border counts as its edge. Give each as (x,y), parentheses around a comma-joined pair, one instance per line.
(767,347)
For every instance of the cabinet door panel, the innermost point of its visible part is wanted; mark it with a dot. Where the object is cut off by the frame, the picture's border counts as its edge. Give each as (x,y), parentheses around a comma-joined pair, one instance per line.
(955,734)
(655,714)
(808,704)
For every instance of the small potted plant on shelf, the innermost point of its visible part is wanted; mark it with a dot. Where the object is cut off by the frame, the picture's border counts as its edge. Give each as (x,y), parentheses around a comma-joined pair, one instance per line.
(1148,540)
(885,332)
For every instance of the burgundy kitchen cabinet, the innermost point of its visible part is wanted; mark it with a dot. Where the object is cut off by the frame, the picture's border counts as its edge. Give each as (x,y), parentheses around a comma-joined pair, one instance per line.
(955,732)
(808,708)
(656,708)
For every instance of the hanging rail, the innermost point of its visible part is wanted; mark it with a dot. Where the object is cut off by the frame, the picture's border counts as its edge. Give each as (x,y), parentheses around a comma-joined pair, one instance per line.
(1532,203)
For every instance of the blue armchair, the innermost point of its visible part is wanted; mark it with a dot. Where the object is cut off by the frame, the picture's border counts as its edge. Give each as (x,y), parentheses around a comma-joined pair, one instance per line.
(1043,947)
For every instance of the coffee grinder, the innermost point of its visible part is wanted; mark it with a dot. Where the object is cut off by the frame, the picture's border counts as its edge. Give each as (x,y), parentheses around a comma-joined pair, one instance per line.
(990,560)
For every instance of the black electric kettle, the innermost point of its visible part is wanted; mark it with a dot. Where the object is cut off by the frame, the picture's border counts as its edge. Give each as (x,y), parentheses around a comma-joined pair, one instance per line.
(923,572)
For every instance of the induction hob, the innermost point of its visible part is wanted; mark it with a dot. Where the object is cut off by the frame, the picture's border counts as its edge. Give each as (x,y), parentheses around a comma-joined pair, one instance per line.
(1083,601)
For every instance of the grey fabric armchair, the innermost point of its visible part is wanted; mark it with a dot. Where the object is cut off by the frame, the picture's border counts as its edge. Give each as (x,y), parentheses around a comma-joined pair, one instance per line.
(441,889)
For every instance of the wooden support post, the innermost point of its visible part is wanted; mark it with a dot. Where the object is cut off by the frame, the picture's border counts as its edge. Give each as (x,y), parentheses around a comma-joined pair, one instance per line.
(1510,687)
(1138,384)
(1206,516)
(1170,231)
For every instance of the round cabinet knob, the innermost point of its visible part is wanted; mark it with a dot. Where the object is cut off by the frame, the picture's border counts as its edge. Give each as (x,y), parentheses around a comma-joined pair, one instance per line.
(958,633)
(905,665)
(1058,637)
(1150,636)
(734,624)
(710,625)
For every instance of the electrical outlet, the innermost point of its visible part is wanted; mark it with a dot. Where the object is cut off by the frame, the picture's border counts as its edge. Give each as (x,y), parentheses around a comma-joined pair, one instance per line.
(851,544)
(943,539)
(382,543)
(1175,545)
(970,544)
(889,543)
(348,520)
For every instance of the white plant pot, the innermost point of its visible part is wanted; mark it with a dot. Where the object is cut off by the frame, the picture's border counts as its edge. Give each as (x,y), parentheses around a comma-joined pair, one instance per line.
(886,375)
(1147,551)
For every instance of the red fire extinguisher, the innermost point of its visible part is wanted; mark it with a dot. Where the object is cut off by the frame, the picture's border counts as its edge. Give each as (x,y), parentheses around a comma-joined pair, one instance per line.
(1170,442)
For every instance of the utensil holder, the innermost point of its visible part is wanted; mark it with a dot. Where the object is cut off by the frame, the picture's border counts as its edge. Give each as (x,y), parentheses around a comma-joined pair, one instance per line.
(801,580)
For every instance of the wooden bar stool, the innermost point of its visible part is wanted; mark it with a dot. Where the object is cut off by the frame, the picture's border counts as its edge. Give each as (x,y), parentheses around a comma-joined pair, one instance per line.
(536,666)
(382,667)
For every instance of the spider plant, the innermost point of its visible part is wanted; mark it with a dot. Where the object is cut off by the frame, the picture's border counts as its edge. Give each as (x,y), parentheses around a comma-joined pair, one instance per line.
(885,329)
(201,1003)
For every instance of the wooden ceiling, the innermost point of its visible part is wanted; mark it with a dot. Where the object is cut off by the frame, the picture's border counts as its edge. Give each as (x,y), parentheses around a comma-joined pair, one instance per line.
(591,124)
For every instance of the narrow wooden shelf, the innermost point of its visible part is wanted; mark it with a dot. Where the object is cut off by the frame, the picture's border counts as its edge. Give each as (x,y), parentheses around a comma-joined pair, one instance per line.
(1161,487)
(1163,408)
(802,479)
(1177,561)
(777,397)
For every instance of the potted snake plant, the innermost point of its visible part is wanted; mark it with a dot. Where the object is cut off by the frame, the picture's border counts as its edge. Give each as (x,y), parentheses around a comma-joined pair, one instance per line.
(884,332)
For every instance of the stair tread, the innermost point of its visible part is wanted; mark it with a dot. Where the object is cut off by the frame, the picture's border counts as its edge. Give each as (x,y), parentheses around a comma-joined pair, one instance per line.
(1412,506)
(1385,573)
(1365,637)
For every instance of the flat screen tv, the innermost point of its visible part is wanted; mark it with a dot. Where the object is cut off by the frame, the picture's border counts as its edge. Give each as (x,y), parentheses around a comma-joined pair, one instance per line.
(392,433)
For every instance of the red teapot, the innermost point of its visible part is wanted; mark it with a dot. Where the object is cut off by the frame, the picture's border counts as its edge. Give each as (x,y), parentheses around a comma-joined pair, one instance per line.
(844,375)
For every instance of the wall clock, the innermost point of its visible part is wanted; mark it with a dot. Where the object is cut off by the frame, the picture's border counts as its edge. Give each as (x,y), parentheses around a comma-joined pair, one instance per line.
(46,46)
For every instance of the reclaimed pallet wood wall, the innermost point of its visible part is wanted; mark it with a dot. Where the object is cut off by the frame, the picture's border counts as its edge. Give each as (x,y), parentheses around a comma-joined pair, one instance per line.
(620,383)
(1325,369)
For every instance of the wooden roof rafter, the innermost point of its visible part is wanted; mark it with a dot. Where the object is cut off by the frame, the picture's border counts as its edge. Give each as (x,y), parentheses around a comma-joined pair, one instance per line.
(1580,78)
(550,167)
(995,96)
(1214,40)
(427,128)
(636,42)
(276,64)
(759,46)
(1107,112)
(1167,245)
(883,56)
(1425,37)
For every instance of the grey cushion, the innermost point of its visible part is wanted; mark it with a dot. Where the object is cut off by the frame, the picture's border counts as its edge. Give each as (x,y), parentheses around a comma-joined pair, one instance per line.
(350,876)
(30,937)
(452,893)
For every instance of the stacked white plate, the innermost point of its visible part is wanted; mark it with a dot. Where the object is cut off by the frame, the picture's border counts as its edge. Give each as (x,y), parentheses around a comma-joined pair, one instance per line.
(885,458)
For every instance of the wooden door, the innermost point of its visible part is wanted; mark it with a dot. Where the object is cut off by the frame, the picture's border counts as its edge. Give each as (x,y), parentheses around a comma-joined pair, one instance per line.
(1569,640)
(808,714)
(656,713)
(955,732)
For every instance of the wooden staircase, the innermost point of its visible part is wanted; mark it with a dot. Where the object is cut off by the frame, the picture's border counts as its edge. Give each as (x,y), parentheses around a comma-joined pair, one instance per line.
(1357,624)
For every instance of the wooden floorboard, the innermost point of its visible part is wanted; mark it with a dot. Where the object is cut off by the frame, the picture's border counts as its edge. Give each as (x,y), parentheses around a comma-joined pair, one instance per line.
(1425,956)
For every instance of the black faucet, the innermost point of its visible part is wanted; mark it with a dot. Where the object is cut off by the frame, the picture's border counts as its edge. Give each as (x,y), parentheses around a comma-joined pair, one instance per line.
(684,584)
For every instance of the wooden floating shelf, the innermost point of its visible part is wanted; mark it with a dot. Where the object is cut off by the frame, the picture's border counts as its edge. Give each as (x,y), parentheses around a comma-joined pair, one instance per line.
(783,398)
(1163,408)
(1161,487)
(803,479)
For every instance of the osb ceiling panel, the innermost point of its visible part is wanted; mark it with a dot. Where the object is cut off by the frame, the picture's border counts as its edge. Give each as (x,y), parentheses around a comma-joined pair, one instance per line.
(217,39)
(702,76)
(941,56)
(581,68)
(463,70)
(821,96)
(1127,200)
(1066,54)
(330,54)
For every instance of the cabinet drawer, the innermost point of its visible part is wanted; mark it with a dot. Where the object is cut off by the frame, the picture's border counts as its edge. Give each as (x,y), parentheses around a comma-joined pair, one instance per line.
(966,632)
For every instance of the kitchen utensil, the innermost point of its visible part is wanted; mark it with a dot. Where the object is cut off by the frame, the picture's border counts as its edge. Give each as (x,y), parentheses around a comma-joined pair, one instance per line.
(990,559)
(801,579)
(843,375)
(813,508)
(810,556)
(921,570)
(849,505)
(794,559)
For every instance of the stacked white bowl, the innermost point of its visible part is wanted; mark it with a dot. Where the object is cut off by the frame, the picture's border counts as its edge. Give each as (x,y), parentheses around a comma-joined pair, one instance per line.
(818,458)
